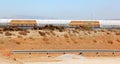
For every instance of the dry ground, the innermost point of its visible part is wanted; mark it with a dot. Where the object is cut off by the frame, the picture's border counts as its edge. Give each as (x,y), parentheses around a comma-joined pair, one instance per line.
(70,39)
(55,39)
(67,39)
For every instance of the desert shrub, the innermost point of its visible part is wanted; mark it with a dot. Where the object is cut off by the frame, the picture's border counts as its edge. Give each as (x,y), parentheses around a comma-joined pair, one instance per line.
(102,30)
(57,35)
(117,33)
(24,39)
(1,29)
(51,27)
(74,31)
(95,31)
(80,37)
(110,42)
(75,42)
(61,28)
(1,32)
(18,43)
(8,33)
(45,39)
(14,59)
(48,33)
(41,33)
(86,27)
(118,40)
(52,33)
(108,33)
(95,41)
(89,32)
(19,36)
(26,31)
(23,33)
(66,36)
(30,38)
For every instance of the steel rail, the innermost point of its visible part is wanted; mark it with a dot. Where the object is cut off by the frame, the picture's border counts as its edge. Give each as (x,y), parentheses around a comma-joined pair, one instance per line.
(60,51)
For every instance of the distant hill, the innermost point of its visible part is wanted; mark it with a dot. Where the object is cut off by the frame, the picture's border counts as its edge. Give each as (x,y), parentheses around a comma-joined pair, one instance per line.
(27,17)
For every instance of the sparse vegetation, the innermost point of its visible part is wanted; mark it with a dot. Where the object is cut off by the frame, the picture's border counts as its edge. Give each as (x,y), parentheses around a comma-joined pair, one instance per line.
(52,33)
(95,31)
(26,31)
(75,42)
(108,33)
(42,33)
(18,43)
(24,38)
(86,27)
(74,31)
(30,38)
(45,39)
(103,30)
(8,33)
(48,33)
(110,42)
(89,32)
(23,33)
(51,27)
(66,36)
(117,33)
(95,41)
(67,41)
(1,32)
(19,36)
(118,40)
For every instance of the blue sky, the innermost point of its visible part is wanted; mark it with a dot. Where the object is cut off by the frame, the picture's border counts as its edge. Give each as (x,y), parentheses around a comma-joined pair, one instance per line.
(61,9)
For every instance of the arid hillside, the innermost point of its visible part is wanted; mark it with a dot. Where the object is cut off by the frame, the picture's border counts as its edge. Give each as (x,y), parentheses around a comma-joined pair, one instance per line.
(56,39)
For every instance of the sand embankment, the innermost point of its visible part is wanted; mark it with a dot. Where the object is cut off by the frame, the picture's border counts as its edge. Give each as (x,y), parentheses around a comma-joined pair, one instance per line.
(68,39)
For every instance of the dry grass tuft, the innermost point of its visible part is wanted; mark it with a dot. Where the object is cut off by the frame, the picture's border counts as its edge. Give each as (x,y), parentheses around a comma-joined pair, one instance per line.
(45,39)
(95,41)
(41,33)
(75,42)
(95,31)
(66,36)
(1,32)
(117,33)
(118,40)
(110,42)
(26,31)
(87,27)
(23,33)
(48,33)
(18,43)
(108,33)
(8,34)
(103,30)
(19,36)
(52,33)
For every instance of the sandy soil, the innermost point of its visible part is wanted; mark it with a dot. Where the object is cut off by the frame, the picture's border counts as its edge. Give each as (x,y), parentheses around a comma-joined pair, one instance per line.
(73,59)
(67,39)
(83,61)
(6,60)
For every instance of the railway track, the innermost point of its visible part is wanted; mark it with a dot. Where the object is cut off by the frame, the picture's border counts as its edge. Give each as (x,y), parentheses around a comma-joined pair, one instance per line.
(61,51)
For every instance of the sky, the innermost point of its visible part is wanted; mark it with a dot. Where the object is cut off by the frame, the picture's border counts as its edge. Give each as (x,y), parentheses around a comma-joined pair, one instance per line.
(60,9)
